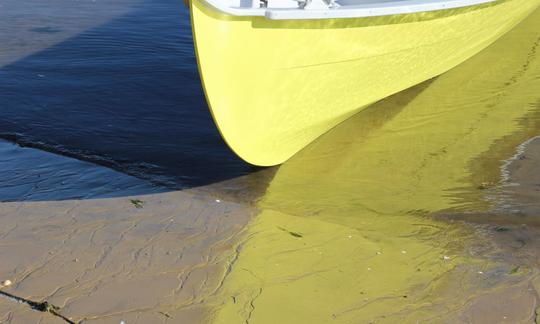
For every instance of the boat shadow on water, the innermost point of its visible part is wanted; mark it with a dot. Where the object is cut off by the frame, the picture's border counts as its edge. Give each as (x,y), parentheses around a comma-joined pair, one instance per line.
(344,230)
(124,94)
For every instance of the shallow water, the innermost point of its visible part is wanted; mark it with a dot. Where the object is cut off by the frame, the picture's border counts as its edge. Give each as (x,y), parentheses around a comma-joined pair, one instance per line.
(377,237)
(29,174)
(110,82)
(357,242)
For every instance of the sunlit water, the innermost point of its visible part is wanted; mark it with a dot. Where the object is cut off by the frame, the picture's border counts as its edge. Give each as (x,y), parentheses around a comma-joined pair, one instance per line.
(347,233)
(364,225)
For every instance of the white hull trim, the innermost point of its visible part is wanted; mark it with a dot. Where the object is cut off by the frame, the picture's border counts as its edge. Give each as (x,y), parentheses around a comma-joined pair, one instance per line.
(289,9)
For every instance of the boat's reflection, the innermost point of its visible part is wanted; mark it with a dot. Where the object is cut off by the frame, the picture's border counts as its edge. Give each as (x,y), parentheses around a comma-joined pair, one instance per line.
(344,234)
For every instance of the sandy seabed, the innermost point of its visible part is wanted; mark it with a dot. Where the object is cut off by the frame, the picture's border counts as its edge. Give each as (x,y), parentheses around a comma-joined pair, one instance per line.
(164,257)
(401,213)
(140,259)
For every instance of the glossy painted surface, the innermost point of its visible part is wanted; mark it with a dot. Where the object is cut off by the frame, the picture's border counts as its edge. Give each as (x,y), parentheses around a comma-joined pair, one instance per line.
(275,86)
(346,233)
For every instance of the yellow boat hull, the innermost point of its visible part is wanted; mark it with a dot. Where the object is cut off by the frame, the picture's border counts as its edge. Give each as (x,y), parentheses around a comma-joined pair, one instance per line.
(274,86)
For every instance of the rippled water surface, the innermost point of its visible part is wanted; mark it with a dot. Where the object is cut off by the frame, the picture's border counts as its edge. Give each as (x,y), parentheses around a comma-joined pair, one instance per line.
(110,82)
(365,223)
(347,232)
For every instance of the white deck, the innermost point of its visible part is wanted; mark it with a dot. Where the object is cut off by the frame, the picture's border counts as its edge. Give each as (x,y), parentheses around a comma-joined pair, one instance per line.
(326,9)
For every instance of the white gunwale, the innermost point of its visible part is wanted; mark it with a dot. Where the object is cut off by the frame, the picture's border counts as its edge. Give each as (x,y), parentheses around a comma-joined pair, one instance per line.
(343,9)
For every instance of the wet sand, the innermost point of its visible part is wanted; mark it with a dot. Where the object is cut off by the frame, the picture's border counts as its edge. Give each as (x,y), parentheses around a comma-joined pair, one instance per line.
(421,208)
(171,257)
(510,234)
(107,260)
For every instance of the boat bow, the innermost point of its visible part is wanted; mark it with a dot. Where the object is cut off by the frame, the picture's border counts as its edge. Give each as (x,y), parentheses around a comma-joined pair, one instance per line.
(274,83)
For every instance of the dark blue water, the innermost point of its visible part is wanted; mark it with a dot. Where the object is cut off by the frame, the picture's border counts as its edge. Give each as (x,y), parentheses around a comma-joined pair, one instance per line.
(111,82)
(28,174)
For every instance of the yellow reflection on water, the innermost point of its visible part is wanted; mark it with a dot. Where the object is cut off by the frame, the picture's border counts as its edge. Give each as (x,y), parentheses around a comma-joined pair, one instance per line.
(344,234)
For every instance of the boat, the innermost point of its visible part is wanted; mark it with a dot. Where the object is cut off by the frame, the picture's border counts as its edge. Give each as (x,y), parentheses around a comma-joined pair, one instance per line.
(277,74)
